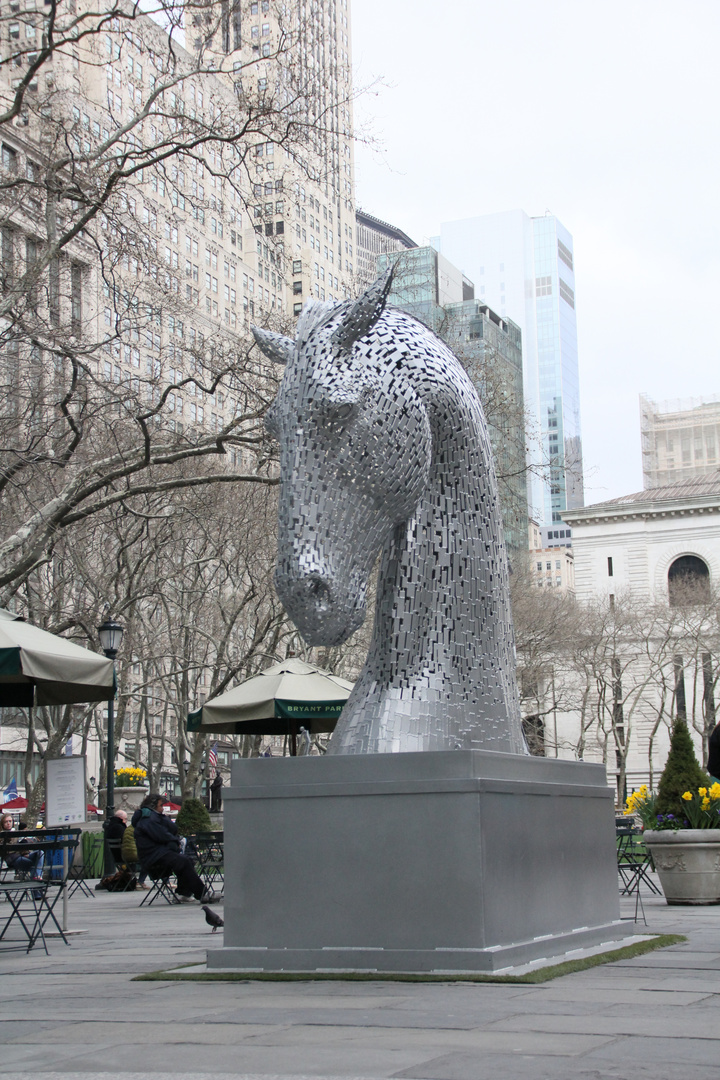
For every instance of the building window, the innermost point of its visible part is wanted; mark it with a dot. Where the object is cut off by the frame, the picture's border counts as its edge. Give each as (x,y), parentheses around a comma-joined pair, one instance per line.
(297,288)
(76,299)
(7,256)
(567,293)
(543,286)
(54,292)
(534,731)
(610,566)
(565,254)
(688,581)
(297,308)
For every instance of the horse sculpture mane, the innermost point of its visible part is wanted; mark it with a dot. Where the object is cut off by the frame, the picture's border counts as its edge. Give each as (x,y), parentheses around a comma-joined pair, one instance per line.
(384,447)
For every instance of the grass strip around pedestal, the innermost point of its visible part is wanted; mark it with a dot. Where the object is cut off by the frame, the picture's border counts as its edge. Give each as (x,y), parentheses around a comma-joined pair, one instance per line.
(538,975)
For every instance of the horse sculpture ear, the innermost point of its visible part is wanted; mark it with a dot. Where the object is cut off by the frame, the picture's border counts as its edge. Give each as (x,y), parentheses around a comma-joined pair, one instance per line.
(275,346)
(364,313)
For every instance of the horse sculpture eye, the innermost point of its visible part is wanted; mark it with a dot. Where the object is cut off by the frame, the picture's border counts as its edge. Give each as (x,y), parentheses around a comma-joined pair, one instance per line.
(344,411)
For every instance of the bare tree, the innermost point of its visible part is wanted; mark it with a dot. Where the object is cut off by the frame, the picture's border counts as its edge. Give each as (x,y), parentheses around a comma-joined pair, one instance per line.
(191,580)
(616,671)
(119,382)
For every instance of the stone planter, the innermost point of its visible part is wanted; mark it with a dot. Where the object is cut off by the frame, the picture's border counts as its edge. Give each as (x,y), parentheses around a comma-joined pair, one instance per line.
(688,864)
(129,798)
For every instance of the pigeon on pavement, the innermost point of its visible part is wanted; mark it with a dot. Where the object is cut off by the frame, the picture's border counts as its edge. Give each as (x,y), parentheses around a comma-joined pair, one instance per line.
(212,918)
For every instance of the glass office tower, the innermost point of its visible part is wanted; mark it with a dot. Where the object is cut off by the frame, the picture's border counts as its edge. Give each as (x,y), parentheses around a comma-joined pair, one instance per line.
(429,287)
(524,268)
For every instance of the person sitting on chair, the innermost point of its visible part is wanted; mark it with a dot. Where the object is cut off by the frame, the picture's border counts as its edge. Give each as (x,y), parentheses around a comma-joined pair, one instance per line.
(114,831)
(26,862)
(158,847)
(130,856)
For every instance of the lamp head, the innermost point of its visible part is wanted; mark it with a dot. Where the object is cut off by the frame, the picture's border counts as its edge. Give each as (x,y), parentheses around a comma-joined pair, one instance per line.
(111,634)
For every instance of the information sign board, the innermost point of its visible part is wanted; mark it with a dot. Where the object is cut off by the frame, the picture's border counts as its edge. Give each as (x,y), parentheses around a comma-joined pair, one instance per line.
(65,791)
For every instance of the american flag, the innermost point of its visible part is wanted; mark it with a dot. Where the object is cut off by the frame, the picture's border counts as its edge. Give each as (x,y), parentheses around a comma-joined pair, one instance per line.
(212,760)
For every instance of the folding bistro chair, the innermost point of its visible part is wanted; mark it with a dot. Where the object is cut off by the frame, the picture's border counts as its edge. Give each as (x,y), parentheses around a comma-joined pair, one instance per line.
(64,839)
(32,902)
(161,889)
(210,865)
(633,863)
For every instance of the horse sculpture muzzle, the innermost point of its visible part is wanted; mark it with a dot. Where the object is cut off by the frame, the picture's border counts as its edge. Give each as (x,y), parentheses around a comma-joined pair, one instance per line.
(321,576)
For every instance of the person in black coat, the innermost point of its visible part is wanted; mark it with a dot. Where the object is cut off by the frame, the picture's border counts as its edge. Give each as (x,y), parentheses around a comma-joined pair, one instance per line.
(713,764)
(158,847)
(114,830)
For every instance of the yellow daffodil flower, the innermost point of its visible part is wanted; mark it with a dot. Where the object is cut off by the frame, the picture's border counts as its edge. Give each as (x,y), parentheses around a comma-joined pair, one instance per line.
(687,796)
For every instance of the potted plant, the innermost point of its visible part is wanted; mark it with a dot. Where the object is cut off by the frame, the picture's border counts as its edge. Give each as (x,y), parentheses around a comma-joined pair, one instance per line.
(681,825)
(130,776)
(131,787)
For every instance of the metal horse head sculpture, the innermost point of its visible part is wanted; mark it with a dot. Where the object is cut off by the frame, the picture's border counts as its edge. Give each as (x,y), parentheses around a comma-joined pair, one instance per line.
(384,448)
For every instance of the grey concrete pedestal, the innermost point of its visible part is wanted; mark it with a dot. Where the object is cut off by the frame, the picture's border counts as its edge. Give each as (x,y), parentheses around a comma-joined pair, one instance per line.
(454,861)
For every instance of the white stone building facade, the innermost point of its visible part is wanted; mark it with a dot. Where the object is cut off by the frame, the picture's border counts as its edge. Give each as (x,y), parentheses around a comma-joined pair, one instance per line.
(647,568)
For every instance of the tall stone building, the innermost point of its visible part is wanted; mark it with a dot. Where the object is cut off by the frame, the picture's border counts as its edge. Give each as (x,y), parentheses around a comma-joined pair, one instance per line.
(246,226)
(165,183)
(680,439)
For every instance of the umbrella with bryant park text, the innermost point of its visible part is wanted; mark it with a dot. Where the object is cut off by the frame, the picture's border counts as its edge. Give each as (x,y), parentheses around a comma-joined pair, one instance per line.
(278,701)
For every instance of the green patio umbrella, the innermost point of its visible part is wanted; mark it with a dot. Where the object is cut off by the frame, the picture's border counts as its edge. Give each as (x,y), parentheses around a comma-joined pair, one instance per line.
(278,701)
(39,668)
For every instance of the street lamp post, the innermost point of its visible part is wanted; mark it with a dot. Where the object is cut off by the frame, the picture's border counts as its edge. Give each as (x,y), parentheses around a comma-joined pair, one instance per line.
(111,635)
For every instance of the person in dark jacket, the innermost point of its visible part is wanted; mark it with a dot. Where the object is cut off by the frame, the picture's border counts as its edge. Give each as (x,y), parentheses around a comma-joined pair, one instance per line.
(158,847)
(713,764)
(114,830)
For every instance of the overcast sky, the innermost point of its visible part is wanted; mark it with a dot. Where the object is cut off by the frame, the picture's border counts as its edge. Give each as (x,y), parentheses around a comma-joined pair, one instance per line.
(604,114)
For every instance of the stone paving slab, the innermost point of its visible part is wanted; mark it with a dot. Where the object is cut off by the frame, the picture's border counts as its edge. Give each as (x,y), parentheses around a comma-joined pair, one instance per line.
(63,1016)
(689,1025)
(638,999)
(463,1066)
(663,1052)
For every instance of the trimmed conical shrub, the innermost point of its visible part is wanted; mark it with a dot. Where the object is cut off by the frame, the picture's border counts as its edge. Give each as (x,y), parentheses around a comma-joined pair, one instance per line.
(193,818)
(682,772)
